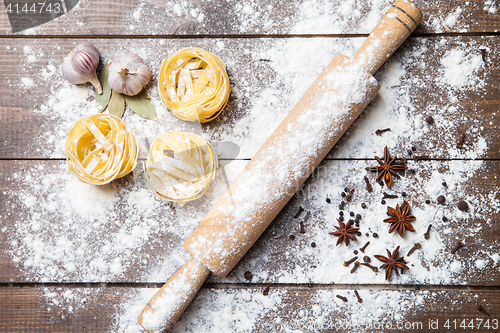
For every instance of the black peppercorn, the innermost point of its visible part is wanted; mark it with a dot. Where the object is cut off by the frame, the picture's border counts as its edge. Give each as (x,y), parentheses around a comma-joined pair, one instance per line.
(445,219)
(441,199)
(358,217)
(382,202)
(343,194)
(413,148)
(341,218)
(463,206)
(328,200)
(313,244)
(355,251)
(363,205)
(292,237)
(351,213)
(427,201)
(375,235)
(248,275)
(444,184)
(366,259)
(403,194)
(341,213)
(346,190)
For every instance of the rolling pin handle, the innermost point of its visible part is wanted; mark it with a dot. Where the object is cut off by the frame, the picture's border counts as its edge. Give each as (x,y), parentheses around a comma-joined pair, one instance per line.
(168,304)
(391,31)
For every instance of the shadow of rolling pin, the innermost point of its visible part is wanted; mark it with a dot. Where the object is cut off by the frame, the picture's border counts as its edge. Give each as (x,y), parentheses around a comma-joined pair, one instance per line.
(281,166)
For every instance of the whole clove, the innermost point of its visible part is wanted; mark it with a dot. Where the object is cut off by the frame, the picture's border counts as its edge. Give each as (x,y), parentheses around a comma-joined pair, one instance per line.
(483,54)
(413,249)
(428,232)
(457,247)
(349,196)
(360,300)
(342,298)
(342,205)
(350,261)
(302,230)
(461,140)
(480,308)
(369,187)
(355,267)
(373,268)
(389,196)
(380,131)
(299,212)
(420,157)
(364,247)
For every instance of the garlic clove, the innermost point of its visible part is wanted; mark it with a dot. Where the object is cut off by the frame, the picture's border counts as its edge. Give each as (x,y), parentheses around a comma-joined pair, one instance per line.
(80,65)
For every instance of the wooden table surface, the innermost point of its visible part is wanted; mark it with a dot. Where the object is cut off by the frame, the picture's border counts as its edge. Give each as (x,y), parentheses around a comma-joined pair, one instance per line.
(76,258)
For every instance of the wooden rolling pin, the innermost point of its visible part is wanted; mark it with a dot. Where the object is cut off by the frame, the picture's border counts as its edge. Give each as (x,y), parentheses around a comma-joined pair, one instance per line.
(281,165)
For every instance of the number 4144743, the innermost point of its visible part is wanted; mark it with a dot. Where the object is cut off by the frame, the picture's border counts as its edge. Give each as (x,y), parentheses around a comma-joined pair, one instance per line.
(471,324)
(36,8)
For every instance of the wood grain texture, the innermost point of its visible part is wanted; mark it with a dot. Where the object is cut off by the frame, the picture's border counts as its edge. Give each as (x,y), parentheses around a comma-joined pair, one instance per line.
(36,111)
(101,309)
(257,17)
(44,207)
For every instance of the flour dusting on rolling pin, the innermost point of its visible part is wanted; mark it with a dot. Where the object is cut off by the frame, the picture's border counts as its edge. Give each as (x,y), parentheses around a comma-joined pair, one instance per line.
(281,165)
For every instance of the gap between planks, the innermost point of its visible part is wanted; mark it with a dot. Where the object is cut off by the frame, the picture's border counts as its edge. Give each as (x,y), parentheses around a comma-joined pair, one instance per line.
(256,36)
(307,286)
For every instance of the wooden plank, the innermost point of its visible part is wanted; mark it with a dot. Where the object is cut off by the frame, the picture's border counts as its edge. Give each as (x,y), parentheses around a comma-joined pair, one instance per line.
(56,229)
(285,308)
(234,17)
(423,78)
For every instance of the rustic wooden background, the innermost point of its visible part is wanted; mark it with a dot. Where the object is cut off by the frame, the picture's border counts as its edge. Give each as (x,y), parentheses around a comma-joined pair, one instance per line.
(110,26)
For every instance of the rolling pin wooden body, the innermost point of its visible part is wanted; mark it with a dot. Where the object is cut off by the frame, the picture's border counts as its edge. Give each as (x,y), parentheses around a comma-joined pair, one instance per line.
(281,165)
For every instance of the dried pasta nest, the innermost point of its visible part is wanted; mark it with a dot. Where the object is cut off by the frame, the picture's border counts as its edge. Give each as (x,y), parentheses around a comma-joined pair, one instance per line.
(101,148)
(180,166)
(194,84)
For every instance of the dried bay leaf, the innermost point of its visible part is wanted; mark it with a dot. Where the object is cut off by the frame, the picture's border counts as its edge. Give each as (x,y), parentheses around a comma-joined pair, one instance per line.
(141,104)
(116,105)
(102,100)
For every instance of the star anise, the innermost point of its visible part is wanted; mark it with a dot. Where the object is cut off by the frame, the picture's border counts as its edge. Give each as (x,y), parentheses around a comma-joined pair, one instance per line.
(392,262)
(399,219)
(388,167)
(344,232)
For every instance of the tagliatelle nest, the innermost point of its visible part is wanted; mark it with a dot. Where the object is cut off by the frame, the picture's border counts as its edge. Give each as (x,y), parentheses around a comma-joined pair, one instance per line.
(180,166)
(194,84)
(101,148)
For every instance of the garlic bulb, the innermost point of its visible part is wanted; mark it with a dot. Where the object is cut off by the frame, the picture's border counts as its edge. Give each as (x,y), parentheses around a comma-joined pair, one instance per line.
(80,65)
(128,74)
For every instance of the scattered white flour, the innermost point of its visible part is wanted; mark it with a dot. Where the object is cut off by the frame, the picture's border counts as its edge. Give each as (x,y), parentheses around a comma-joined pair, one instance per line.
(27,82)
(461,69)
(250,311)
